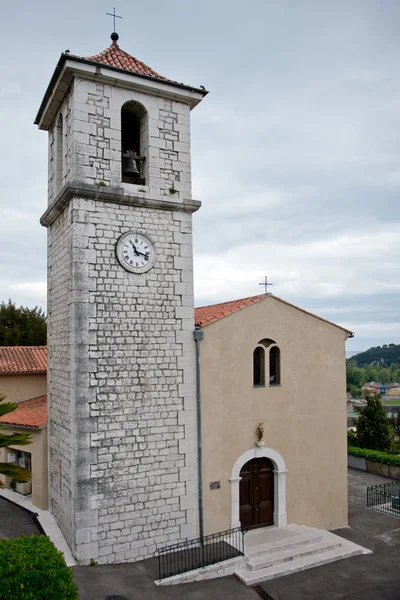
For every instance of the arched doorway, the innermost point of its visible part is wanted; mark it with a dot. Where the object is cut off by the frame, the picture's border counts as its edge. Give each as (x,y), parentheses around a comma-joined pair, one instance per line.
(280,516)
(256,493)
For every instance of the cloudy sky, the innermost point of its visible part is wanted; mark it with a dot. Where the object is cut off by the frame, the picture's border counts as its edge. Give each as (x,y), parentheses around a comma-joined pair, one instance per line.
(296,150)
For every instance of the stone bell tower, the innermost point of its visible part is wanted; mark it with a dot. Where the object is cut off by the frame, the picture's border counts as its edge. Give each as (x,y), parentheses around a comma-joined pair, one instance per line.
(121,375)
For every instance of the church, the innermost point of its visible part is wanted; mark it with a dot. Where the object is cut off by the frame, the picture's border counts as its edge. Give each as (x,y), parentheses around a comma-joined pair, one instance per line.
(167,423)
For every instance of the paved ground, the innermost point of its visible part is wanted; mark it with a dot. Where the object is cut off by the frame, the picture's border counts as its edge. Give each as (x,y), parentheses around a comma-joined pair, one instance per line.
(15,521)
(372,577)
(136,582)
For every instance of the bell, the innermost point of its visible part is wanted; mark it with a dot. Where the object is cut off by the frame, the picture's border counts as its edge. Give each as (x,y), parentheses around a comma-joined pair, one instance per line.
(131,169)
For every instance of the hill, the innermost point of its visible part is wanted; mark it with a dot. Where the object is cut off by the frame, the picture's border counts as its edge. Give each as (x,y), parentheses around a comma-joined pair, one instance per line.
(385,355)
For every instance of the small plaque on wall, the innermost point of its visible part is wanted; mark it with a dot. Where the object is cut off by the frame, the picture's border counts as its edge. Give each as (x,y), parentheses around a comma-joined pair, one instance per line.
(11,457)
(215,485)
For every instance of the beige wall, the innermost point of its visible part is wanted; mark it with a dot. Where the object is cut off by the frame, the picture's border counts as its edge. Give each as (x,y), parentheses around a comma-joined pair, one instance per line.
(22,387)
(304,419)
(38,451)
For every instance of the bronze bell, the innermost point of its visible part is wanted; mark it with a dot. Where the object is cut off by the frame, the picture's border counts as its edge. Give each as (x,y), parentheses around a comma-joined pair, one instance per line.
(131,164)
(131,169)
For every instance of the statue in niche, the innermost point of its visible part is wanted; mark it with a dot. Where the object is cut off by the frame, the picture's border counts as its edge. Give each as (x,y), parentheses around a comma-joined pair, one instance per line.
(260,432)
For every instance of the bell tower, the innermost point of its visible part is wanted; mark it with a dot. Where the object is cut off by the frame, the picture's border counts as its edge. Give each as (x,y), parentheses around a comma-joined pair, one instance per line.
(121,370)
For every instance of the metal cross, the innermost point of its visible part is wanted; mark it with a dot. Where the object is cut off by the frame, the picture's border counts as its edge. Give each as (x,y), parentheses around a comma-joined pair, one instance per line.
(266,284)
(114,16)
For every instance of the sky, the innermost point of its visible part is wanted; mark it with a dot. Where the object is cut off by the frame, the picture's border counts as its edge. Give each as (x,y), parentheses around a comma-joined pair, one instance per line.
(295,151)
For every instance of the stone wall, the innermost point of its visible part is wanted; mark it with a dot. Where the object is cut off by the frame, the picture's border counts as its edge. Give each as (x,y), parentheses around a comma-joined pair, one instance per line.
(222,569)
(126,370)
(59,385)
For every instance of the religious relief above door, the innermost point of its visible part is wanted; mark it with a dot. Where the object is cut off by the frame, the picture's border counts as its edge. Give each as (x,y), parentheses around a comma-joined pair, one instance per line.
(257,493)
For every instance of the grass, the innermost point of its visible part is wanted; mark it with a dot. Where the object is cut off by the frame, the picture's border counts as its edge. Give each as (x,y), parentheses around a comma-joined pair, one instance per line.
(392,402)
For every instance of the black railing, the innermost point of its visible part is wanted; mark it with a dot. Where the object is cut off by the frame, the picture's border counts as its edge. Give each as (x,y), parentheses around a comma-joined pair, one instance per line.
(385,498)
(200,552)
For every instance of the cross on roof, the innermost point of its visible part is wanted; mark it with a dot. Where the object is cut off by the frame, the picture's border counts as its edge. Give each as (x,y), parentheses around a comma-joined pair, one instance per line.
(114,16)
(265,283)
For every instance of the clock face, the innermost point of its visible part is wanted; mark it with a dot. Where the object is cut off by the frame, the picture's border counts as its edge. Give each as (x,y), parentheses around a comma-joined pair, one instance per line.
(136,252)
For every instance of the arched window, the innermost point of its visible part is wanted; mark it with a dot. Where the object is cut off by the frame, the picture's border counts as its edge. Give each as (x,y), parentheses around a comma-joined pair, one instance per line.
(274,366)
(134,144)
(59,153)
(259,366)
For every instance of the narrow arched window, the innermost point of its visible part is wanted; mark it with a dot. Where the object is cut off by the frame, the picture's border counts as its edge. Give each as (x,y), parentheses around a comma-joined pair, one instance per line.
(259,366)
(134,146)
(59,153)
(274,366)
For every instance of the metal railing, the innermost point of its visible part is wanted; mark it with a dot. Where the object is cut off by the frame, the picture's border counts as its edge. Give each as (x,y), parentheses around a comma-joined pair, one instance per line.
(385,498)
(199,552)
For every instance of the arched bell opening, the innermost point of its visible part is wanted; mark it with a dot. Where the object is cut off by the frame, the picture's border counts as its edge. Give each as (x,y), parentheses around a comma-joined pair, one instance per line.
(134,143)
(59,153)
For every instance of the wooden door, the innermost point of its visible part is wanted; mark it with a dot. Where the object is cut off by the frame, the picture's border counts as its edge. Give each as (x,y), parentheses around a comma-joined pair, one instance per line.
(257,493)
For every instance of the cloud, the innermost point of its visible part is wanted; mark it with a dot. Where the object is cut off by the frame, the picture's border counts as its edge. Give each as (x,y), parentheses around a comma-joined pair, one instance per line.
(296,151)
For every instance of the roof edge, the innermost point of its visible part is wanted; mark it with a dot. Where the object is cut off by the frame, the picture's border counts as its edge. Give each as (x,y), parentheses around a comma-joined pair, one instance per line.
(307,312)
(72,57)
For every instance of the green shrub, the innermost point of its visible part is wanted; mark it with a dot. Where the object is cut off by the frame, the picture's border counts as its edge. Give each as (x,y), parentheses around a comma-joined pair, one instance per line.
(32,568)
(375,455)
(352,438)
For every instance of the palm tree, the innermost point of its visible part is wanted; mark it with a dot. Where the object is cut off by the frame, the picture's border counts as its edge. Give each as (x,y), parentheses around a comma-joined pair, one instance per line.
(12,439)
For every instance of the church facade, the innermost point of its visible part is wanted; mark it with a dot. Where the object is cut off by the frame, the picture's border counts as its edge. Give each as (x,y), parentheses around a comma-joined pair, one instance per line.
(265,361)
(126,464)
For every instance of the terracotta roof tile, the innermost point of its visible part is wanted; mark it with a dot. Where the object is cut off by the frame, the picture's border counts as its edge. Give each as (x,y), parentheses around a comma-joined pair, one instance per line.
(204,315)
(113,56)
(30,413)
(18,360)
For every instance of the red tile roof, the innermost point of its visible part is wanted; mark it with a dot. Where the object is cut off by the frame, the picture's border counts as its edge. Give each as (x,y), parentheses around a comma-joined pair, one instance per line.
(204,315)
(113,56)
(19,360)
(30,413)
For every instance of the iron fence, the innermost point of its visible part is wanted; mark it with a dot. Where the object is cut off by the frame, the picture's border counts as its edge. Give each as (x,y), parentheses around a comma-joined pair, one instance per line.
(385,498)
(199,552)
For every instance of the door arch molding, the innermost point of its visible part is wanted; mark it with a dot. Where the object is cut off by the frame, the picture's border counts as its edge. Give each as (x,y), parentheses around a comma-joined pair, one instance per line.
(280,516)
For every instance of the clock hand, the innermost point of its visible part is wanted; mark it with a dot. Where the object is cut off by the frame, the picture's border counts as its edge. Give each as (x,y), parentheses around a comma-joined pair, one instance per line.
(134,247)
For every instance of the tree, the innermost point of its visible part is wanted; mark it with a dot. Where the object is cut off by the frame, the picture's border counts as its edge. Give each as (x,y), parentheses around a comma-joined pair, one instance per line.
(355,375)
(12,439)
(394,421)
(373,427)
(22,326)
(355,392)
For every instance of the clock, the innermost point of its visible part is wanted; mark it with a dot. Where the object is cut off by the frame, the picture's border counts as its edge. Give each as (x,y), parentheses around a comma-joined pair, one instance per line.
(136,252)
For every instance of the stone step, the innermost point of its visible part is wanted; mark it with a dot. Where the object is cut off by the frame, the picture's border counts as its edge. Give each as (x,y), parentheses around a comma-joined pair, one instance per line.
(346,550)
(308,547)
(292,542)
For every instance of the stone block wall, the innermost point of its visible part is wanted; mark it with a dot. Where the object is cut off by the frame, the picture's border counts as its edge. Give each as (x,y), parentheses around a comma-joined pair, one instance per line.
(129,357)
(59,384)
(97,138)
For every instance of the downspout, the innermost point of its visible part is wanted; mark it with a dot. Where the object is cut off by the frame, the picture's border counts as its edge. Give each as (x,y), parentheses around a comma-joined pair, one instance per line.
(198,335)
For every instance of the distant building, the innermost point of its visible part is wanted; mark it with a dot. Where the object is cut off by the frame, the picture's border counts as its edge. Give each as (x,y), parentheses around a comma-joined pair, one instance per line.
(23,372)
(387,389)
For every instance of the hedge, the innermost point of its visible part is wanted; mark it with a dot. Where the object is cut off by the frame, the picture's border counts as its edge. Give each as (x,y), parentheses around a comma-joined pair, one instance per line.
(32,568)
(375,455)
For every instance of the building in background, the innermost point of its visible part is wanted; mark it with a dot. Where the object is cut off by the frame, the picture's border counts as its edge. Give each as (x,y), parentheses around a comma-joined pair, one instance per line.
(23,381)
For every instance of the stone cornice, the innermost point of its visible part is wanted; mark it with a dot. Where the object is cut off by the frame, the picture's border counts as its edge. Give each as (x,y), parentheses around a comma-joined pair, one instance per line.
(114,195)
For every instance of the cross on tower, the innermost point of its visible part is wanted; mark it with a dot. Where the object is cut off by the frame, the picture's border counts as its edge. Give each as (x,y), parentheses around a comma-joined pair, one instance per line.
(266,284)
(114,16)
